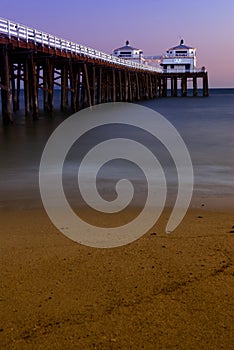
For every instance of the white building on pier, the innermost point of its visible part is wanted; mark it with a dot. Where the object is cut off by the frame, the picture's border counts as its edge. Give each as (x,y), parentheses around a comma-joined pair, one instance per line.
(130,53)
(179,59)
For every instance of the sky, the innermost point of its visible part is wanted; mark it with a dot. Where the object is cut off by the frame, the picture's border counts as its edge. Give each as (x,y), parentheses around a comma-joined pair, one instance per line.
(151,25)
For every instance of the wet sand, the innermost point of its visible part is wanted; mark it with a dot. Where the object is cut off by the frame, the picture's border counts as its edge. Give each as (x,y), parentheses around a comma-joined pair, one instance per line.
(160,292)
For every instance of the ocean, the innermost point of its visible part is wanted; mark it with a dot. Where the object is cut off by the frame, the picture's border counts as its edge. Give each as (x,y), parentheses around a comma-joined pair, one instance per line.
(205,124)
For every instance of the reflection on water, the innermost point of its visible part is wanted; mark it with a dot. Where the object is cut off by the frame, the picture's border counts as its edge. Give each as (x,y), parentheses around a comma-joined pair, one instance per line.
(206,125)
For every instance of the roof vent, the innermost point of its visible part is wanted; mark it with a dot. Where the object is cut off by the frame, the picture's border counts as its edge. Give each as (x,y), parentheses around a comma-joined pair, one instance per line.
(127,43)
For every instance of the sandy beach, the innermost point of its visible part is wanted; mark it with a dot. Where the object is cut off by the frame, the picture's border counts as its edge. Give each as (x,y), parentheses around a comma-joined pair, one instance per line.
(160,292)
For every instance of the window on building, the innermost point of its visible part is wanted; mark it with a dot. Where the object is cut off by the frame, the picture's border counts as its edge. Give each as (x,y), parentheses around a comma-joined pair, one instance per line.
(127,53)
(172,66)
(181,52)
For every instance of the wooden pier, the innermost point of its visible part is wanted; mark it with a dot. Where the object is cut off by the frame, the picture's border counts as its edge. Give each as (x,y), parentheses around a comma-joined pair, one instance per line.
(33,60)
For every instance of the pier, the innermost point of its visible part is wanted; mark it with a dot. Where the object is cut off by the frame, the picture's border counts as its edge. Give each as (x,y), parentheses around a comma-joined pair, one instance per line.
(31,60)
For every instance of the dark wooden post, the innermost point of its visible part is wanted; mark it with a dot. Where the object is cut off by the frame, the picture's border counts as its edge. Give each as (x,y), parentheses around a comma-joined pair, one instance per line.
(72,75)
(150,86)
(100,86)
(104,88)
(13,88)
(78,88)
(107,86)
(87,84)
(34,87)
(184,86)
(194,86)
(83,93)
(26,89)
(164,93)
(160,86)
(5,86)
(50,82)
(130,86)
(140,82)
(94,85)
(120,86)
(126,85)
(64,86)
(45,88)
(205,85)
(156,86)
(146,86)
(138,97)
(18,86)
(172,86)
(175,91)
(114,85)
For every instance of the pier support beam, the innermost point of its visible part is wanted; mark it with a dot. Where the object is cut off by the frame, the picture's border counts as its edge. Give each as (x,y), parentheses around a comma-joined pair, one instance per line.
(87,85)
(126,86)
(156,86)
(18,86)
(93,85)
(78,88)
(114,85)
(160,87)
(130,87)
(172,86)
(50,83)
(184,86)
(146,86)
(64,87)
(100,86)
(194,86)
(120,87)
(13,88)
(26,89)
(72,75)
(175,91)
(138,97)
(5,86)
(45,88)
(164,92)
(150,87)
(108,82)
(205,86)
(34,88)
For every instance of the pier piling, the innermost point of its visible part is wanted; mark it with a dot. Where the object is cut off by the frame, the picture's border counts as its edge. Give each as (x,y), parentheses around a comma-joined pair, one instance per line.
(5,86)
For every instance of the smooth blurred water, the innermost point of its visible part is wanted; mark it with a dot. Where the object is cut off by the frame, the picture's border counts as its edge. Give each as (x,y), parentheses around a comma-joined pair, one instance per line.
(205,124)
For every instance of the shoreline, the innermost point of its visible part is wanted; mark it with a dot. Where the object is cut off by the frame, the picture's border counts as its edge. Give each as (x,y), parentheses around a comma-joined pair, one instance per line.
(30,200)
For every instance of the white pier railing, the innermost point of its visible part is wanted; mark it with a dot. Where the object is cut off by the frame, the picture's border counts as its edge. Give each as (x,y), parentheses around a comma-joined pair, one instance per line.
(24,33)
(194,70)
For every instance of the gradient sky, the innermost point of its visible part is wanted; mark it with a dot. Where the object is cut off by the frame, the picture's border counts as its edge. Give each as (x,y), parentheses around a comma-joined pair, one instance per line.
(151,25)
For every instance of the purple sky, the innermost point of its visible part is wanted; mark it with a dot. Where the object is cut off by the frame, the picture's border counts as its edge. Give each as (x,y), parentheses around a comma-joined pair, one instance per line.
(151,25)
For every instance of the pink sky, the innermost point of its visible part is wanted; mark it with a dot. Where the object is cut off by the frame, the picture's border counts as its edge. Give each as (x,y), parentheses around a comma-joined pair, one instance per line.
(151,25)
